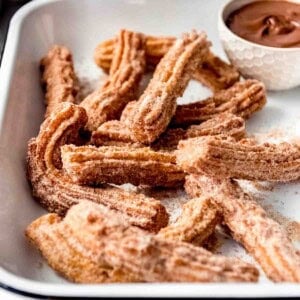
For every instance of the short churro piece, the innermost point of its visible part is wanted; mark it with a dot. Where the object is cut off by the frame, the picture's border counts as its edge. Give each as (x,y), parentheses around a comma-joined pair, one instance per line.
(125,74)
(56,191)
(242,99)
(263,238)
(115,133)
(58,77)
(213,72)
(225,157)
(196,223)
(88,165)
(216,74)
(55,240)
(157,105)
(102,238)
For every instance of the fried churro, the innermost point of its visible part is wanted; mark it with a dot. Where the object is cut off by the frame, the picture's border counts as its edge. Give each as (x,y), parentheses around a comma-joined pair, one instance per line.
(101,238)
(56,191)
(157,105)
(115,133)
(242,99)
(196,223)
(58,77)
(88,165)
(213,72)
(122,84)
(263,238)
(224,156)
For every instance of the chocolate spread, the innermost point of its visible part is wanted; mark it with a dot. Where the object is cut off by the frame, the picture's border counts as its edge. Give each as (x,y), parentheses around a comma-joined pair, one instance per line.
(269,23)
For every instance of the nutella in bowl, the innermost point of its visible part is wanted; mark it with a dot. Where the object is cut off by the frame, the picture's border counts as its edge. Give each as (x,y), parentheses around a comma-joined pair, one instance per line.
(262,40)
(269,23)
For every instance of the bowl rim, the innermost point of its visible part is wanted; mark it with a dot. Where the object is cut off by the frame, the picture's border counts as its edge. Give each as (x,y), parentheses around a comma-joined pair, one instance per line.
(269,48)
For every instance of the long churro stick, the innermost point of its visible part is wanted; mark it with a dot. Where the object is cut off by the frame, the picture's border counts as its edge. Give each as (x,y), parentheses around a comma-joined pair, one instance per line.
(263,238)
(88,165)
(224,156)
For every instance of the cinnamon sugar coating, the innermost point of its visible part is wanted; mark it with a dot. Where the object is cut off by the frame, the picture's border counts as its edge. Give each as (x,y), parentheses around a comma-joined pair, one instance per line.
(58,77)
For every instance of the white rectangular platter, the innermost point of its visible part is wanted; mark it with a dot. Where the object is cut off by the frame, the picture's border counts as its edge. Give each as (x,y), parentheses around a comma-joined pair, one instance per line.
(81,25)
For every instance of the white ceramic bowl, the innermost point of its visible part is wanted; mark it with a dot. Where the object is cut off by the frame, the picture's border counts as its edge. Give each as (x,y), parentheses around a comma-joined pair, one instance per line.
(277,68)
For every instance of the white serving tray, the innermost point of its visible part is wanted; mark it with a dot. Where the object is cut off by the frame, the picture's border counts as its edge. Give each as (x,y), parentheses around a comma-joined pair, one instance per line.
(80,25)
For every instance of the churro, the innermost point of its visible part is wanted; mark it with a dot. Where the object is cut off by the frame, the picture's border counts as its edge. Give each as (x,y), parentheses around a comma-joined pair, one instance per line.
(157,105)
(88,165)
(213,72)
(196,223)
(58,78)
(115,133)
(122,84)
(242,99)
(224,156)
(56,191)
(263,238)
(102,238)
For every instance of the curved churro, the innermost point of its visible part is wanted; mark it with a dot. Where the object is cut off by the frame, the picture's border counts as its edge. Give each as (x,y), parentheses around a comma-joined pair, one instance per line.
(58,77)
(125,74)
(242,99)
(196,223)
(56,192)
(213,72)
(157,105)
(224,156)
(264,238)
(88,165)
(102,238)
(115,133)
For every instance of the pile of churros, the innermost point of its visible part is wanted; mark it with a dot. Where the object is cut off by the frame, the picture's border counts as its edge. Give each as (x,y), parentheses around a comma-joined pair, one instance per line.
(98,232)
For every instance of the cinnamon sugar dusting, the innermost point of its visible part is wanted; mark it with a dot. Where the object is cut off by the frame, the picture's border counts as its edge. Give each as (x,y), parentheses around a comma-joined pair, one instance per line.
(292,227)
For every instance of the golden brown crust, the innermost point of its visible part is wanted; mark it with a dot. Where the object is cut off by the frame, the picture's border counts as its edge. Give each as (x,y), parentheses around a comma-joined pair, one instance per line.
(242,99)
(263,238)
(196,223)
(225,157)
(157,105)
(88,165)
(56,192)
(102,238)
(58,77)
(122,84)
(213,72)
